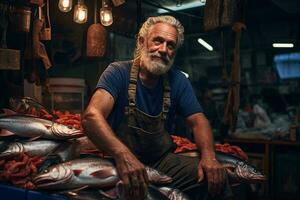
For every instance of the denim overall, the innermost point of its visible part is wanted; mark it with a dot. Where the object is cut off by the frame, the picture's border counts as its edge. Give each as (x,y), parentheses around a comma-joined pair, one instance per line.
(144,134)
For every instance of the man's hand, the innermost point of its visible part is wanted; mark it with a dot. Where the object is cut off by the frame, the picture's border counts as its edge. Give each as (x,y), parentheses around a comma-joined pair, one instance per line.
(133,175)
(215,173)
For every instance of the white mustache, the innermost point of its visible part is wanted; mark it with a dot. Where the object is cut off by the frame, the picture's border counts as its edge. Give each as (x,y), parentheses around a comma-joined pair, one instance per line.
(166,58)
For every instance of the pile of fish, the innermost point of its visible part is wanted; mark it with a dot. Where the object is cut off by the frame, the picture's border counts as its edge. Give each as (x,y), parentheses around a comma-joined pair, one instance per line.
(32,139)
(97,172)
(50,152)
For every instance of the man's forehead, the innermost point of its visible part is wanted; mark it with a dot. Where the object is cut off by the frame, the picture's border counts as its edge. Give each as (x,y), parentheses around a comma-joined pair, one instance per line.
(163,29)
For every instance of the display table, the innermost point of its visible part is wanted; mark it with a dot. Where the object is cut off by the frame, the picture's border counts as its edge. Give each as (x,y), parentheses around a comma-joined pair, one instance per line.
(8,192)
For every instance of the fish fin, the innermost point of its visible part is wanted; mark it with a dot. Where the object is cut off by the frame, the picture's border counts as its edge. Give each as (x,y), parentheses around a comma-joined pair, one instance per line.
(5,132)
(9,111)
(102,173)
(77,172)
(53,154)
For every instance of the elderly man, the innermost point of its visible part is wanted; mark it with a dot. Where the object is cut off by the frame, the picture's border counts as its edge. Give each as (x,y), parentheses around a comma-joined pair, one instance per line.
(131,113)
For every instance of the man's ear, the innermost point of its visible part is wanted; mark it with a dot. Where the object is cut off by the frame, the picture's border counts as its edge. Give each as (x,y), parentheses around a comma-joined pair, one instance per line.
(141,41)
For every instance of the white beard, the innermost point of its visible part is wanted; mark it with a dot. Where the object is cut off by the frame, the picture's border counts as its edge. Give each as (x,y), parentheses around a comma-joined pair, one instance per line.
(156,67)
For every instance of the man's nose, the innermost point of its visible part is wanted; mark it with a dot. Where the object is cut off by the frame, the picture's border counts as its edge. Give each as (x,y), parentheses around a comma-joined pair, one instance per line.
(163,48)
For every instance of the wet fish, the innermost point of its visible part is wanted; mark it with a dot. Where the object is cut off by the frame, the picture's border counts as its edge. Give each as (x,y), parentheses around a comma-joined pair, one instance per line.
(238,170)
(173,194)
(32,148)
(28,126)
(91,172)
(53,152)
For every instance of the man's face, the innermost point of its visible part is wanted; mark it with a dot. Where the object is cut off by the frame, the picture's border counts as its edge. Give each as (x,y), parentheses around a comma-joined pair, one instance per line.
(159,48)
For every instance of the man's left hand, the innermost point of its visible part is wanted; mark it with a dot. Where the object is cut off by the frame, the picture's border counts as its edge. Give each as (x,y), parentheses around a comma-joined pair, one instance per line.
(215,173)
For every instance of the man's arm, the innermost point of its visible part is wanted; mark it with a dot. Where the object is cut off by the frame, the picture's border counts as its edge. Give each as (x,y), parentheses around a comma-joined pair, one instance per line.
(131,171)
(215,173)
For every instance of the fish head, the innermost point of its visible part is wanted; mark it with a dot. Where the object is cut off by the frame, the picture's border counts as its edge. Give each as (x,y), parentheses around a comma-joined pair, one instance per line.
(63,131)
(53,177)
(157,177)
(248,173)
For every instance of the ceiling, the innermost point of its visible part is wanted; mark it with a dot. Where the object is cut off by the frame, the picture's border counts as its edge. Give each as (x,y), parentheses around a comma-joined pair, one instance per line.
(267,21)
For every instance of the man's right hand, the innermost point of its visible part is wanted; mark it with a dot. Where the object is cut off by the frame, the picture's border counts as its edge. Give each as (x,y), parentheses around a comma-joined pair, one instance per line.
(133,175)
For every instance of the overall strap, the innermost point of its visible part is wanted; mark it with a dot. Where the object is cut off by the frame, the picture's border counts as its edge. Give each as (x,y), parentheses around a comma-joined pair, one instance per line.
(166,97)
(132,87)
(132,92)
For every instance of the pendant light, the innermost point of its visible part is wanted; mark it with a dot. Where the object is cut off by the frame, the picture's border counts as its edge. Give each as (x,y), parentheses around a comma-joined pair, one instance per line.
(65,5)
(80,12)
(106,14)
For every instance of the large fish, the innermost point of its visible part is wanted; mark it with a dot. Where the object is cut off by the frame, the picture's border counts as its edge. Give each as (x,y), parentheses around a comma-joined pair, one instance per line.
(239,170)
(32,148)
(91,172)
(28,126)
(62,151)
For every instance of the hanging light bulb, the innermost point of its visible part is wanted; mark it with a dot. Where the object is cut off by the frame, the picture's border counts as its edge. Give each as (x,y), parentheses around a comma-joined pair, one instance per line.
(80,12)
(65,5)
(106,17)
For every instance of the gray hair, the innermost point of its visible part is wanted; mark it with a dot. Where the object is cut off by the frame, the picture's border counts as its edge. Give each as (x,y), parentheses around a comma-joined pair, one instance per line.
(144,30)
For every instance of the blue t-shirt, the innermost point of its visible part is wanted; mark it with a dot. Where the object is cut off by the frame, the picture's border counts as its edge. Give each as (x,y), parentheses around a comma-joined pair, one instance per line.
(115,80)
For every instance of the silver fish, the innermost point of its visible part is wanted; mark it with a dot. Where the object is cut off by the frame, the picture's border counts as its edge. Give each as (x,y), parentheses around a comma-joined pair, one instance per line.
(91,172)
(32,148)
(238,170)
(28,126)
(173,194)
